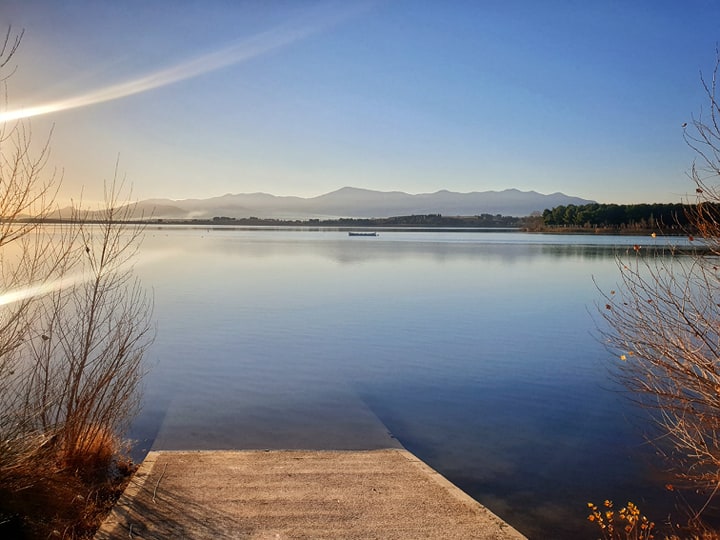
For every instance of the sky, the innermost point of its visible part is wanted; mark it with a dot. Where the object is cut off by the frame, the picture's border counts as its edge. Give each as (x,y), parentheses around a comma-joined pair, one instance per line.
(199,98)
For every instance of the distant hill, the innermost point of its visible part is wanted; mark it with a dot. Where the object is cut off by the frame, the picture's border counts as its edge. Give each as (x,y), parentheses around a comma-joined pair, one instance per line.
(357,203)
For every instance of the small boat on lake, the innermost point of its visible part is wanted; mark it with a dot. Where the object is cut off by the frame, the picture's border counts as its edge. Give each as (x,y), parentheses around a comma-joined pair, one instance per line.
(362,234)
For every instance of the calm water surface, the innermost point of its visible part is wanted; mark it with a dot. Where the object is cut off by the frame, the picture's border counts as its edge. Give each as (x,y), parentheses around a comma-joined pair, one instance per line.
(476,351)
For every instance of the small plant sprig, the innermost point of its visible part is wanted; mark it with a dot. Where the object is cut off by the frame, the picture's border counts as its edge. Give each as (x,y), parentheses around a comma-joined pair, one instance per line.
(626,524)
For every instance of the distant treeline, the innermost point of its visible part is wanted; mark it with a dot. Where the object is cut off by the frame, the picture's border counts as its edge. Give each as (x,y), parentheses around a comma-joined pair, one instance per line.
(667,217)
(429,220)
(594,217)
(422,220)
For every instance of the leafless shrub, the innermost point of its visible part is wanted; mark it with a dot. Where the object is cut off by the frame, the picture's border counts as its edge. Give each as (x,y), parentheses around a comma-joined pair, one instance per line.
(30,259)
(664,324)
(88,360)
(74,321)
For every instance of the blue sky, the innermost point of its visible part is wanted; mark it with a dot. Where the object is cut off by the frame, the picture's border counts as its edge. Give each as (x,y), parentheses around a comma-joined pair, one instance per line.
(301,98)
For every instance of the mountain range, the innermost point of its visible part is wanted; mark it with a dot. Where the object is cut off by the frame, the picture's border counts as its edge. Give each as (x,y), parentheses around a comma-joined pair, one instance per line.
(356,203)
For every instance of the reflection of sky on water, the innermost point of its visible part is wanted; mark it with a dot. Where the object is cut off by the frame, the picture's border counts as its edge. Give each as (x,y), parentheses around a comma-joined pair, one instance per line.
(475,350)
(396,246)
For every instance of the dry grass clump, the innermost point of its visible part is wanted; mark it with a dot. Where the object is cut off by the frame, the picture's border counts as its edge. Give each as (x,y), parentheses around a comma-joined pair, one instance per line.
(51,496)
(93,452)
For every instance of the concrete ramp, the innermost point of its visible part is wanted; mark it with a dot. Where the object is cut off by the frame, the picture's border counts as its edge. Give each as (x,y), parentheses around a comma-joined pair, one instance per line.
(291,494)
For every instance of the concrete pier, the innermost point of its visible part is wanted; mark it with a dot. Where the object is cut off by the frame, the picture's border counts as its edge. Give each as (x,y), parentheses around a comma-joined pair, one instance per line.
(292,494)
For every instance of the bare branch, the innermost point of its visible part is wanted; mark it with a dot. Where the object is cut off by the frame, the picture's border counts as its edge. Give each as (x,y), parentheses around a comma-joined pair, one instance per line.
(74,321)
(664,324)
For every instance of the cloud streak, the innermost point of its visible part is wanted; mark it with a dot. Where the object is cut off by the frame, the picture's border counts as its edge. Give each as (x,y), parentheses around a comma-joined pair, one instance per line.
(239,52)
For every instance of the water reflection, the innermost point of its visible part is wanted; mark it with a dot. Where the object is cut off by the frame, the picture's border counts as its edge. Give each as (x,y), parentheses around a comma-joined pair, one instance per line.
(337,246)
(477,351)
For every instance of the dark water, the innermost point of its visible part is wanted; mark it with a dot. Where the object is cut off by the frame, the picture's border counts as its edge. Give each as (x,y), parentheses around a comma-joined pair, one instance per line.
(476,351)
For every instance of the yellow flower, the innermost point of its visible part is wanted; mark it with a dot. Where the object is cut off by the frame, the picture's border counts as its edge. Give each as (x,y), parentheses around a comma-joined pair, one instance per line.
(623,357)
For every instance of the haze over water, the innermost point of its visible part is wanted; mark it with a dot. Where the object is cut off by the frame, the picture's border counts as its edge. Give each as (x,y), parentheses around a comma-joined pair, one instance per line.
(476,351)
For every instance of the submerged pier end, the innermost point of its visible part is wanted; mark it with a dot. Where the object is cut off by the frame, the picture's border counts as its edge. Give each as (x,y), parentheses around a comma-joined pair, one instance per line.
(285,494)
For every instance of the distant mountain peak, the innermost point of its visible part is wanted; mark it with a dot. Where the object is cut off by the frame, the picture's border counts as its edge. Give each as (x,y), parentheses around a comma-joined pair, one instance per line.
(356,202)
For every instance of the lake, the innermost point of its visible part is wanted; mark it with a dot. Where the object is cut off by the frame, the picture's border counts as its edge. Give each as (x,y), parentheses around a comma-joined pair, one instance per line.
(477,351)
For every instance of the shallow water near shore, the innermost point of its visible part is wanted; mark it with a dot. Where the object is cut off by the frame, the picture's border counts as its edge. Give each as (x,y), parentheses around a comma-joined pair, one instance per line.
(477,351)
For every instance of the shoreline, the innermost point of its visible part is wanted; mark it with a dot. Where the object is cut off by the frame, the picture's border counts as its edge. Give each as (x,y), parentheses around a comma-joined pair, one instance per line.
(399,223)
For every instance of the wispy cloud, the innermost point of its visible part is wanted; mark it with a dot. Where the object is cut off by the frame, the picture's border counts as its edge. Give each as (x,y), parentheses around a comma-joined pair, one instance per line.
(239,52)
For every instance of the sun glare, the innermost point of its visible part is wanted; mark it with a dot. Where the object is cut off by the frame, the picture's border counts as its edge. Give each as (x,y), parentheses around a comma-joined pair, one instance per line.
(38,290)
